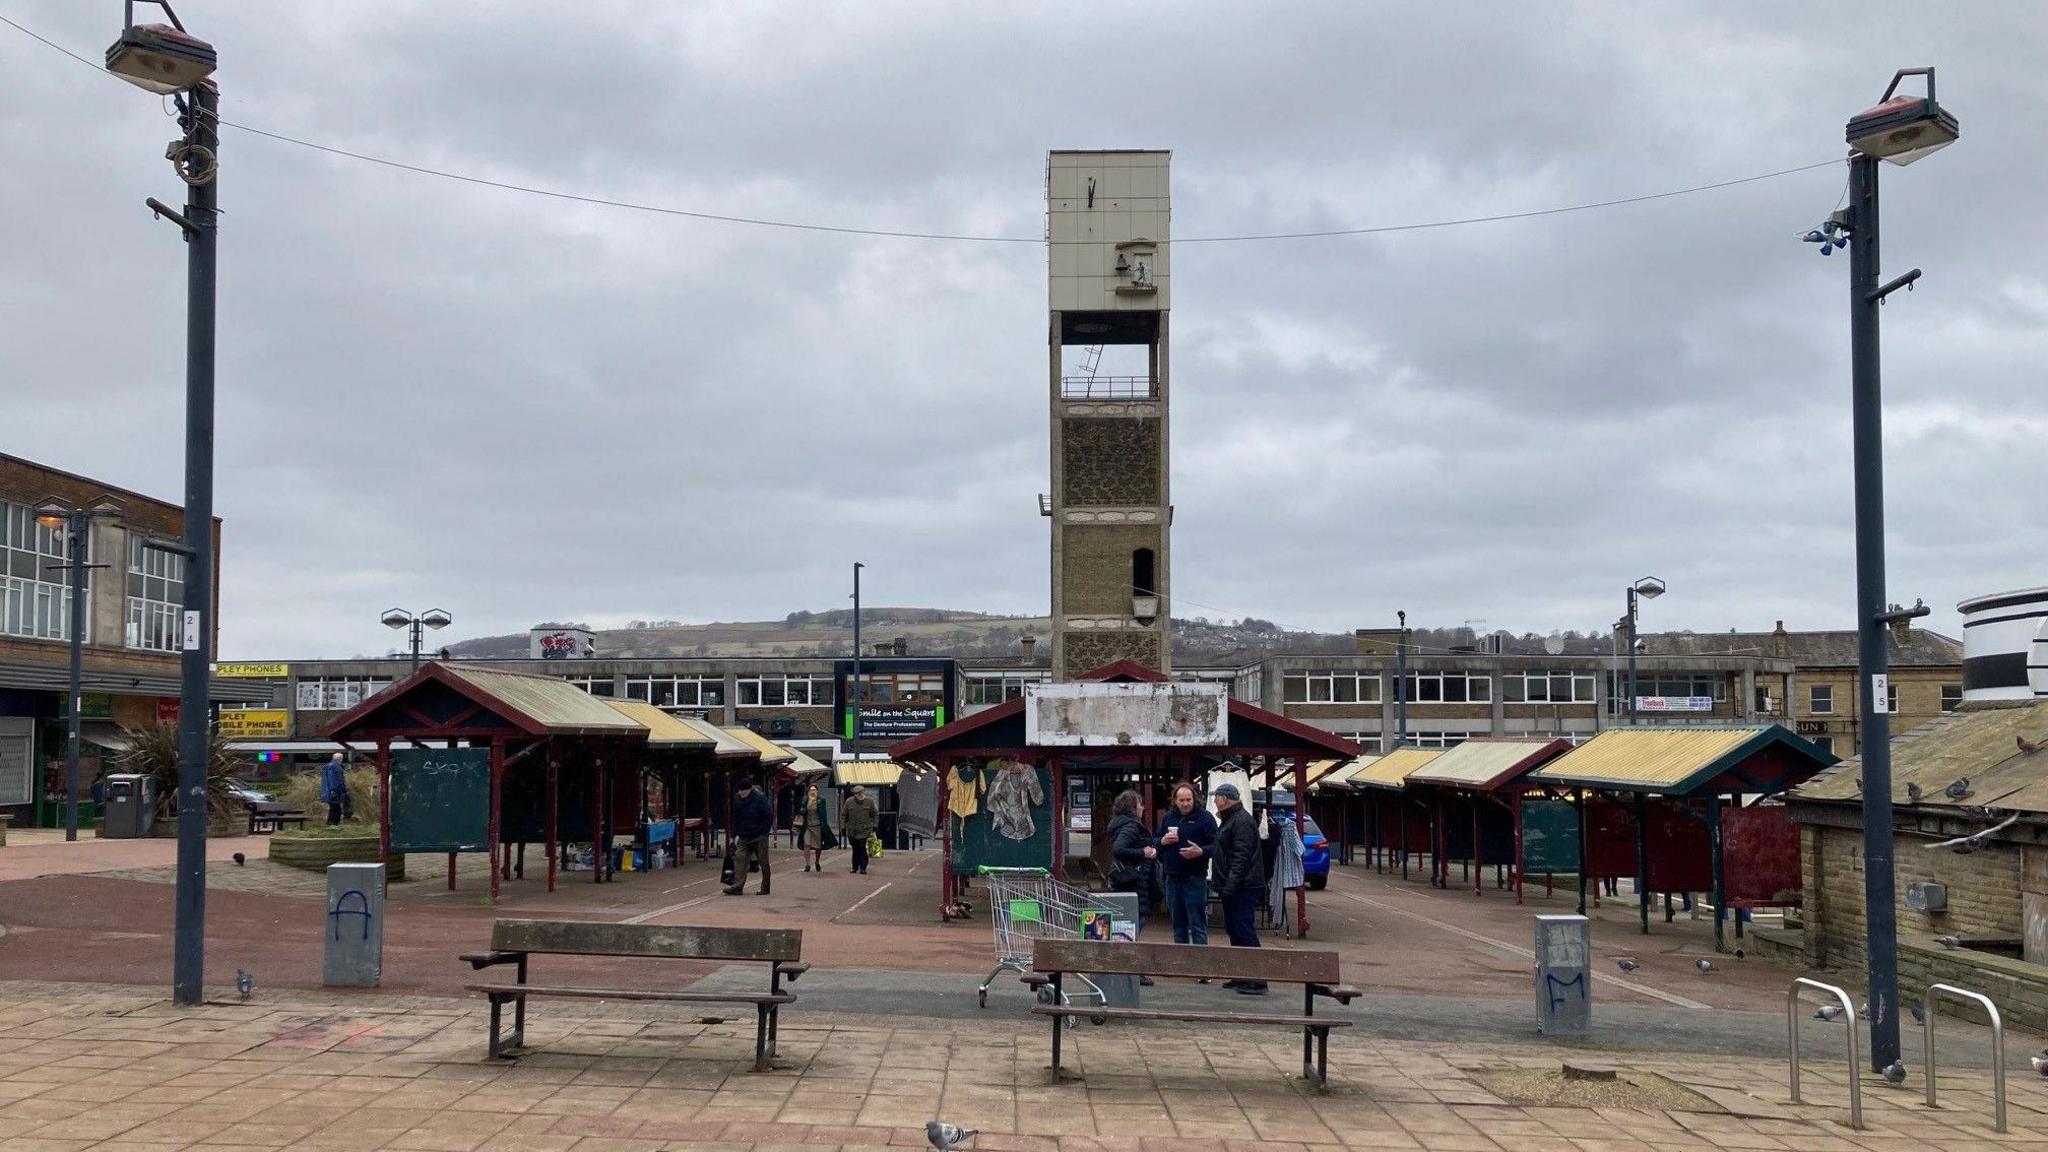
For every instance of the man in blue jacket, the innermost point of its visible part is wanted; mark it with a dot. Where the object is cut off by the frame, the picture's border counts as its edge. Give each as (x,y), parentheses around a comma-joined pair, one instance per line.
(753,819)
(333,788)
(1186,836)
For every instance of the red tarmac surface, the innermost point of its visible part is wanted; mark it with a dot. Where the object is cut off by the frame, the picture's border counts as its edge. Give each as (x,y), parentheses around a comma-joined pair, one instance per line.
(63,919)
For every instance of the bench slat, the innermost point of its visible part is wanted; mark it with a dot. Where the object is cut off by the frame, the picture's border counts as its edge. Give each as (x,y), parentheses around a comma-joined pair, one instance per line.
(629,994)
(1199,1017)
(670,941)
(1287,965)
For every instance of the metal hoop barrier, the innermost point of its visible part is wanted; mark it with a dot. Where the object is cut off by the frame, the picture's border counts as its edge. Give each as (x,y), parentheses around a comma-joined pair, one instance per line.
(1997,1047)
(1855,1053)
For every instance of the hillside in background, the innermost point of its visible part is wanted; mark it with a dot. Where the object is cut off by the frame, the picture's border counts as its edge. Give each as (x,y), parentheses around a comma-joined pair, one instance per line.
(970,635)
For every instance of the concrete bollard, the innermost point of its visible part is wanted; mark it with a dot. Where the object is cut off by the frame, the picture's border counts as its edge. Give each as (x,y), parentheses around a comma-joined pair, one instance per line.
(1564,976)
(355,926)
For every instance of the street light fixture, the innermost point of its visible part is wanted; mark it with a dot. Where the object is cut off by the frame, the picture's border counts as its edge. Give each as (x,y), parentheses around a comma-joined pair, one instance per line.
(433,618)
(1900,129)
(76,524)
(1647,588)
(160,58)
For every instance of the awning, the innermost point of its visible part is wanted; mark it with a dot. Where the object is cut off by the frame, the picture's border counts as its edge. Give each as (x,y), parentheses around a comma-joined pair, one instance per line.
(299,747)
(556,704)
(1346,774)
(1679,761)
(872,773)
(772,753)
(663,730)
(1392,770)
(1484,765)
(723,742)
(804,766)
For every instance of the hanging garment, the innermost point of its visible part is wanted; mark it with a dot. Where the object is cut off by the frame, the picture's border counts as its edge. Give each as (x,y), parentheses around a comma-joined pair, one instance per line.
(1287,870)
(963,794)
(1012,794)
(917,803)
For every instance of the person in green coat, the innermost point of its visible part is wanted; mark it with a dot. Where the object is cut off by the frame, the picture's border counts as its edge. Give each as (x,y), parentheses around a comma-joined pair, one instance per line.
(858,818)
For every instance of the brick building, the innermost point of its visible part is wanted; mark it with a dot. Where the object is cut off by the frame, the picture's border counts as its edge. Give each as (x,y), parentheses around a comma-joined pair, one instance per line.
(131,638)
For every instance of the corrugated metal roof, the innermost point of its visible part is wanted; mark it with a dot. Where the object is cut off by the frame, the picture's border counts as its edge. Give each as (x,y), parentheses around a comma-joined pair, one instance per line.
(771,752)
(663,730)
(804,765)
(1391,770)
(1980,745)
(1649,759)
(556,705)
(1346,773)
(873,773)
(724,743)
(1482,765)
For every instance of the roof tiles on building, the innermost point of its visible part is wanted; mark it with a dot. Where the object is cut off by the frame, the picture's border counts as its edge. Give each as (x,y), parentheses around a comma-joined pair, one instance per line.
(1978,744)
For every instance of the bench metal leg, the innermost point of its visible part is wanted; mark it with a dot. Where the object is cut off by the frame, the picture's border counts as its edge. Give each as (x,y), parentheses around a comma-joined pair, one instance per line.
(761,1037)
(519,1011)
(496,1005)
(1323,1057)
(1057,1021)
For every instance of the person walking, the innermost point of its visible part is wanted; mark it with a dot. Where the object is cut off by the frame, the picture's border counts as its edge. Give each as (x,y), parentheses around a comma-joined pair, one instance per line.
(1131,853)
(1186,836)
(813,834)
(753,820)
(333,788)
(1240,877)
(858,819)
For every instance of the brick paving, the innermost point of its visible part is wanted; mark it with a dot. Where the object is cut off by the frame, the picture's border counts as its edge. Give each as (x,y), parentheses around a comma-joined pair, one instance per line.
(107,1067)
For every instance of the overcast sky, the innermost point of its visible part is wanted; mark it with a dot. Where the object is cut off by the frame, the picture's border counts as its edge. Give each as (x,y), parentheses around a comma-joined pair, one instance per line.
(435,394)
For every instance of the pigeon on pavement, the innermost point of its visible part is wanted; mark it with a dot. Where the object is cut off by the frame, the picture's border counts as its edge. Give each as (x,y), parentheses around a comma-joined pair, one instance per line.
(1627,964)
(1705,966)
(946,1136)
(1949,942)
(244,983)
(1895,1072)
(2040,1065)
(1828,1012)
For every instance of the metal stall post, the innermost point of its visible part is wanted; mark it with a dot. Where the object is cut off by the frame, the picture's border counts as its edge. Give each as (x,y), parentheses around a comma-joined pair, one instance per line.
(1643,859)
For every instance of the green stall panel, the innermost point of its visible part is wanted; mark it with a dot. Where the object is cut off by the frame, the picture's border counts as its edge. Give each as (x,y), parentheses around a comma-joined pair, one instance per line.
(1550,836)
(440,799)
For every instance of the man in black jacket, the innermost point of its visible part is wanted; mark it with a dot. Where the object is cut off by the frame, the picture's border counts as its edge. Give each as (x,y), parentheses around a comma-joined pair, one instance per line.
(753,820)
(1240,876)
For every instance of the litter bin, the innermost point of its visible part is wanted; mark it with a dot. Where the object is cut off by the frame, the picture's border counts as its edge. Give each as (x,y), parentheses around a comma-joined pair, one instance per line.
(130,805)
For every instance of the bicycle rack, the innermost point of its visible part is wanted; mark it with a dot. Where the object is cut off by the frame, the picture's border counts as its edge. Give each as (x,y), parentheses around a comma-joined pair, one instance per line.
(1855,1053)
(1997,1047)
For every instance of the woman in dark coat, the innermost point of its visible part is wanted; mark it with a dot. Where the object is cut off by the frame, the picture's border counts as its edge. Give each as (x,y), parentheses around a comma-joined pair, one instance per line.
(1131,853)
(813,834)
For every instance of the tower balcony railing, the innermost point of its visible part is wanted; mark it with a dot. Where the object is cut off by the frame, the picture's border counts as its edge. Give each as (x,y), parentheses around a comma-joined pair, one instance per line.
(1108,388)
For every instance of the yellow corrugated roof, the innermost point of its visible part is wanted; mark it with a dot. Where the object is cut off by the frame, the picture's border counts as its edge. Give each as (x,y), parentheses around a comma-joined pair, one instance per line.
(1347,773)
(1478,763)
(873,773)
(1391,770)
(771,752)
(725,743)
(804,765)
(1650,759)
(557,704)
(663,730)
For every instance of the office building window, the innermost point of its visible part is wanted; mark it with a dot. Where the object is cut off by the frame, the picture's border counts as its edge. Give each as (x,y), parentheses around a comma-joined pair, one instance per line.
(677,691)
(1549,688)
(1449,688)
(996,687)
(1331,688)
(1824,743)
(1368,742)
(1425,738)
(903,688)
(784,691)
(156,597)
(1821,699)
(1951,697)
(35,597)
(337,693)
(595,685)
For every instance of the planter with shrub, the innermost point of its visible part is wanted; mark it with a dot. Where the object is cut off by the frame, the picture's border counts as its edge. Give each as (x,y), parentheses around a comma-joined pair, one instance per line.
(314,848)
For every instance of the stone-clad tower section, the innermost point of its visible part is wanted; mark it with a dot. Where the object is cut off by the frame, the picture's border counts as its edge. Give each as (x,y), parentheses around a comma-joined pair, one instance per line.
(1108,221)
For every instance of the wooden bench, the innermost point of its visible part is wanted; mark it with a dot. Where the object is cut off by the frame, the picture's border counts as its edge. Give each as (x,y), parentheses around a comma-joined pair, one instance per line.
(515,941)
(274,821)
(1316,972)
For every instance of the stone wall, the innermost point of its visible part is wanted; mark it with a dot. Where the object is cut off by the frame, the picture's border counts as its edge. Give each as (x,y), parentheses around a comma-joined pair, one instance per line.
(1095,566)
(1983,894)
(1113,462)
(1087,650)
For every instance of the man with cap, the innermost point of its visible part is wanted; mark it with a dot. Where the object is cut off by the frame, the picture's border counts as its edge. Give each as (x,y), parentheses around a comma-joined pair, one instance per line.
(858,819)
(1240,876)
(753,820)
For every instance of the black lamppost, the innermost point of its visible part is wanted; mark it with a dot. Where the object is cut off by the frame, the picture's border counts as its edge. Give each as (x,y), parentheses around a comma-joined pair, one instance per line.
(1401,685)
(76,524)
(1900,129)
(858,694)
(433,618)
(168,61)
(1648,588)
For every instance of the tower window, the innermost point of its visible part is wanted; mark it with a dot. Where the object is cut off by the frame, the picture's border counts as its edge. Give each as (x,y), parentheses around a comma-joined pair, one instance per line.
(1142,572)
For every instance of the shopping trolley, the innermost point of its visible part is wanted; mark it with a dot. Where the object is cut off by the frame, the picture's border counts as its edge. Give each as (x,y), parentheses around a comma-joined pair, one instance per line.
(1027,904)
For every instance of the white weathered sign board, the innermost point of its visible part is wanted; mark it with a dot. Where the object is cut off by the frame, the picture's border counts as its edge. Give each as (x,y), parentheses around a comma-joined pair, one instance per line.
(1169,715)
